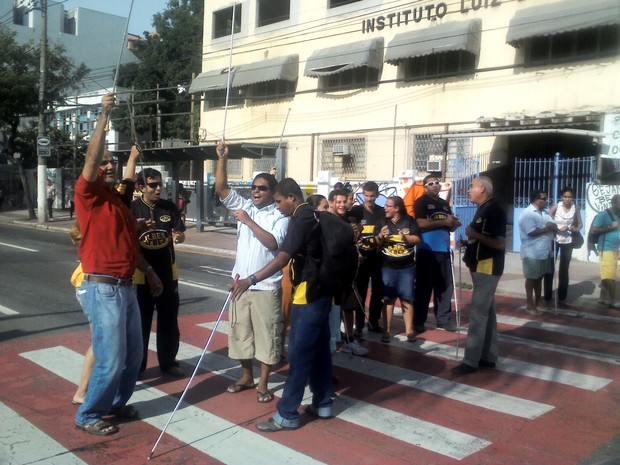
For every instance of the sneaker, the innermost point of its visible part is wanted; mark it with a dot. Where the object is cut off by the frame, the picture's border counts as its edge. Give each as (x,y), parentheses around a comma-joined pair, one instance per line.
(354,348)
(533,311)
(447,327)
(464,369)
(324,413)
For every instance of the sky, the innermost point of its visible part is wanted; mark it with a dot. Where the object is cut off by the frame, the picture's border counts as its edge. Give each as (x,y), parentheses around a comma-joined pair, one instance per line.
(141,13)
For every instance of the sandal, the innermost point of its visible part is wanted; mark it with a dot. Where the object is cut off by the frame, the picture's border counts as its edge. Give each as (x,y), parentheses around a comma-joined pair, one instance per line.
(411,337)
(99,428)
(128,412)
(235,388)
(264,397)
(386,337)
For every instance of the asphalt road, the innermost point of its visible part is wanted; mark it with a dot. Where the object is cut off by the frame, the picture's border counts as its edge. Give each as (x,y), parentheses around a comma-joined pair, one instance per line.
(37,297)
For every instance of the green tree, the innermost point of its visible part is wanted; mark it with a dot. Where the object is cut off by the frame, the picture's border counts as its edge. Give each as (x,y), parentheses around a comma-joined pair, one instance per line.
(19,94)
(168,57)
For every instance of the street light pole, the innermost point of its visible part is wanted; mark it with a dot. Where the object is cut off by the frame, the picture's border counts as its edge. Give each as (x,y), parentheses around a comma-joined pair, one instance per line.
(42,130)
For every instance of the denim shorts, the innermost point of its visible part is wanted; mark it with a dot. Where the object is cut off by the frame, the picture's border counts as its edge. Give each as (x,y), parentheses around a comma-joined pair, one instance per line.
(398,283)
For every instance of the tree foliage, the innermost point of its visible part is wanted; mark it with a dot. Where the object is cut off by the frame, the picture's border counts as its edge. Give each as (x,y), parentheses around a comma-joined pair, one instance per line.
(168,57)
(19,90)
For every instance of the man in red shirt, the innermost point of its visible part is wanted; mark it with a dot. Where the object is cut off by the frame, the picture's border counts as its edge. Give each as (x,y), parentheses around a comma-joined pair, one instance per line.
(109,253)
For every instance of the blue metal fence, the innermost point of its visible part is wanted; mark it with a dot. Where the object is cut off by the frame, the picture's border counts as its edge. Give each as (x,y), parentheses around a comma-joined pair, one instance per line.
(463,171)
(550,175)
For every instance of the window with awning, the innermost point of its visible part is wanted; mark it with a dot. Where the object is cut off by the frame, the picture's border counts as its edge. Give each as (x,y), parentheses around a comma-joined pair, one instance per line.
(449,49)
(275,78)
(566,32)
(353,65)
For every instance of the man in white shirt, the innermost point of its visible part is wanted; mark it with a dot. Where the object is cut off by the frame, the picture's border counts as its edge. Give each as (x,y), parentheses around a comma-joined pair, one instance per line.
(256,318)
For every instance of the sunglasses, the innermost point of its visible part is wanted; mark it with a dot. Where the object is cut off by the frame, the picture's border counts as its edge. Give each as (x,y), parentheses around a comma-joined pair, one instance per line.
(260,188)
(542,198)
(432,183)
(110,160)
(153,185)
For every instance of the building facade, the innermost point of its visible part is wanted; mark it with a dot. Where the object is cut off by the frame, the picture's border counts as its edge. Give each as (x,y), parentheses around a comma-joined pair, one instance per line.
(372,89)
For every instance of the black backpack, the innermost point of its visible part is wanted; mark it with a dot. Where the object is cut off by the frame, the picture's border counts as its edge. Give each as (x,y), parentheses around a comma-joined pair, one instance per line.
(339,261)
(593,237)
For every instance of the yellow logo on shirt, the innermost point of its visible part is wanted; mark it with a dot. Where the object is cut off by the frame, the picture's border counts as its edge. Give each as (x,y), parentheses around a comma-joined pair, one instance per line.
(155,239)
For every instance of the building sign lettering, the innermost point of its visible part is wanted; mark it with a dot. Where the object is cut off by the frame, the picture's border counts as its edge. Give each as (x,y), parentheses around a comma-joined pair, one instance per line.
(428,12)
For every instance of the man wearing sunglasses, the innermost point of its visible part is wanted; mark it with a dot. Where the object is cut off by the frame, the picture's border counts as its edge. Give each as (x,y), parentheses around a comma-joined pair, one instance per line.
(536,230)
(109,253)
(256,318)
(434,276)
(164,228)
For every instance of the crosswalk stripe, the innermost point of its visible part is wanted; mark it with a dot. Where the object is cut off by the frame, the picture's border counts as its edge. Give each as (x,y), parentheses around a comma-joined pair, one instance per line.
(21,442)
(435,438)
(205,432)
(557,328)
(434,385)
(532,370)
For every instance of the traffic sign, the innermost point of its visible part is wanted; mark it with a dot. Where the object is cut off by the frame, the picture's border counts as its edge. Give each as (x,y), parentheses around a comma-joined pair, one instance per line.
(44,148)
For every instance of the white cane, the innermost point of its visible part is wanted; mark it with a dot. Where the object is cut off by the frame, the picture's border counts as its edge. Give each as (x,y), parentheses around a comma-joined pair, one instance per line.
(118,63)
(456,303)
(229,78)
(556,278)
(204,351)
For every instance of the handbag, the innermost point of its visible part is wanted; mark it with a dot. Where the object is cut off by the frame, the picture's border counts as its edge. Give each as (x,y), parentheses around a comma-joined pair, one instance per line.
(576,239)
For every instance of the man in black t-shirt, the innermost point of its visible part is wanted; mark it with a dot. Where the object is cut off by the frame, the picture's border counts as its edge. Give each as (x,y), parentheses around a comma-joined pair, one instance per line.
(370,215)
(486,243)
(163,228)
(308,348)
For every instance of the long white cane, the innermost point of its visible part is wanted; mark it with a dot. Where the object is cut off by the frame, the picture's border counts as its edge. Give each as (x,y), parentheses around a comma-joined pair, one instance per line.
(120,56)
(456,302)
(204,351)
(229,78)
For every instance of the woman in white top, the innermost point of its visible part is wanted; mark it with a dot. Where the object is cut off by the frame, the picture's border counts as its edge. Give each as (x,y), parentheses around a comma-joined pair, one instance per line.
(566,215)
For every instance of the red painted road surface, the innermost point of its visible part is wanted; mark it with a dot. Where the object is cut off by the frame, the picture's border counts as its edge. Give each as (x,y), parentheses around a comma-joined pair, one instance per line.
(553,400)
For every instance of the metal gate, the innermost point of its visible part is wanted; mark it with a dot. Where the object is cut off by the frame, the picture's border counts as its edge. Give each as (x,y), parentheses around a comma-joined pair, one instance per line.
(550,175)
(462,171)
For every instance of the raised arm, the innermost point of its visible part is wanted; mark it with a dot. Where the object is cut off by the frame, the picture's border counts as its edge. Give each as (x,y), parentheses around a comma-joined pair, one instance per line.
(96,146)
(221,175)
(132,162)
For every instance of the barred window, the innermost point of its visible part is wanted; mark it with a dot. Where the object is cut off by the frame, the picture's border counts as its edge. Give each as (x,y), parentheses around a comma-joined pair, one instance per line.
(345,158)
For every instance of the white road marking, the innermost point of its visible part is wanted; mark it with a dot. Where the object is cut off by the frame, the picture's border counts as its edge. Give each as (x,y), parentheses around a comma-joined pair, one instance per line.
(435,438)
(204,286)
(194,426)
(439,386)
(532,370)
(21,442)
(8,311)
(18,247)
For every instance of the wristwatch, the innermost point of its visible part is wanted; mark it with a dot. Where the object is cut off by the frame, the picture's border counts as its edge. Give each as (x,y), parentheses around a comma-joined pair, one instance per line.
(253,279)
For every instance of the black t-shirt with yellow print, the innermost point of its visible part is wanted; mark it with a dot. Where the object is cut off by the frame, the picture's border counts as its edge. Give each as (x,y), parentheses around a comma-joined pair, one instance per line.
(303,244)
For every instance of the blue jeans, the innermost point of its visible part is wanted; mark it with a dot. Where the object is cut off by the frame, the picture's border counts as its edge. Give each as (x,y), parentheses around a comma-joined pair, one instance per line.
(310,357)
(117,345)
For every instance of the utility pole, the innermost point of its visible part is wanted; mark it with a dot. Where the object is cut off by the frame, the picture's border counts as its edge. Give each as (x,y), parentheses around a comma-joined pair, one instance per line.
(42,130)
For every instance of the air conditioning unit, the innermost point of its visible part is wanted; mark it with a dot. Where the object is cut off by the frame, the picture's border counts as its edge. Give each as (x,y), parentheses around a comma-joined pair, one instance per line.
(433,166)
(341,150)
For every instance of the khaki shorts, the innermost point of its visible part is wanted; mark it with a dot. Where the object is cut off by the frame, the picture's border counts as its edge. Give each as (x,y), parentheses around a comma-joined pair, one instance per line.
(256,326)
(608,261)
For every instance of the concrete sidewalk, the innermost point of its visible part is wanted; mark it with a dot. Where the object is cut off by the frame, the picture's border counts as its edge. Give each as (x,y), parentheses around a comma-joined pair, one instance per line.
(583,290)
